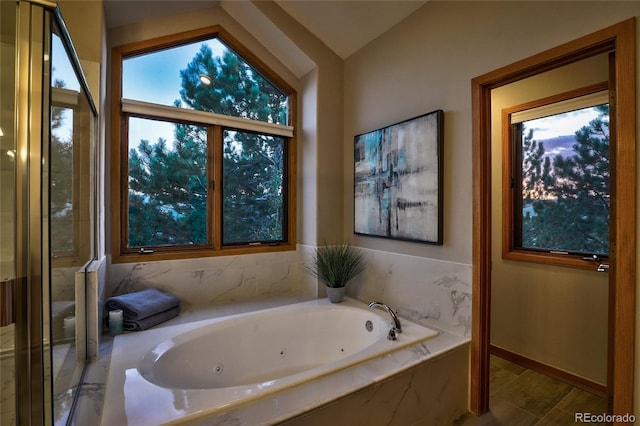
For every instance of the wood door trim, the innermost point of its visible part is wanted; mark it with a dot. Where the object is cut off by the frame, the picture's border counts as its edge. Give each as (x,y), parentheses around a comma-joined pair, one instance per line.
(621,38)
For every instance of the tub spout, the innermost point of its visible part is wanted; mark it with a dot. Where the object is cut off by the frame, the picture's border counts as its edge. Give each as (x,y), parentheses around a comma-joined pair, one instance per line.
(397,327)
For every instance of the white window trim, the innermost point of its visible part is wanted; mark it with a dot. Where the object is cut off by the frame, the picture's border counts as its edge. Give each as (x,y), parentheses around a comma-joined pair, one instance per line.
(204,117)
(555,108)
(64,96)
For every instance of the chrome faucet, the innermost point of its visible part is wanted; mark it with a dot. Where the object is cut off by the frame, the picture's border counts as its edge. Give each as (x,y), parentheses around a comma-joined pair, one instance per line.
(397,327)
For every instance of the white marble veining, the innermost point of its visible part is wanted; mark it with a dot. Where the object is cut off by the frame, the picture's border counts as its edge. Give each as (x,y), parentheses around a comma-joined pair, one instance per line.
(91,396)
(306,398)
(427,290)
(271,408)
(433,292)
(7,376)
(63,283)
(96,286)
(7,339)
(419,288)
(432,393)
(217,280)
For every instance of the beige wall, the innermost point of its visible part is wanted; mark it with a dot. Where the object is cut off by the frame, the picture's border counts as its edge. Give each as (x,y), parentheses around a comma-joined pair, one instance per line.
(320,174)
(423,64)
(85,23)
(427,63)
(554,315)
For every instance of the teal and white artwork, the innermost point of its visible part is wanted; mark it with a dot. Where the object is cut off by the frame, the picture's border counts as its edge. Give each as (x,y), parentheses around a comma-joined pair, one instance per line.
(398,180)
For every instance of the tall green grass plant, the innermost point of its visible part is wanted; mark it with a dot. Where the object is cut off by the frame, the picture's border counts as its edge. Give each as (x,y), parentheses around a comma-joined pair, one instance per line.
(336,264)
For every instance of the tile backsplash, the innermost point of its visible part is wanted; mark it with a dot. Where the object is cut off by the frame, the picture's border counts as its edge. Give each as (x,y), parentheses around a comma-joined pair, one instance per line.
(426,290)
(217,280)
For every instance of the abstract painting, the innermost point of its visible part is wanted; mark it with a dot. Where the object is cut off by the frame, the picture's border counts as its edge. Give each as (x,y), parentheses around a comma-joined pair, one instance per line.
(398,180)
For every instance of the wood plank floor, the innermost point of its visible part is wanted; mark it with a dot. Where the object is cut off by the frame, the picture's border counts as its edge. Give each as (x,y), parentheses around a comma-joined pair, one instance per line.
(519,396)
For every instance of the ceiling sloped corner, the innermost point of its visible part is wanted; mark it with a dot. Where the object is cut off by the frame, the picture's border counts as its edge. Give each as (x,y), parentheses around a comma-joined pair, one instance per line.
(273,39)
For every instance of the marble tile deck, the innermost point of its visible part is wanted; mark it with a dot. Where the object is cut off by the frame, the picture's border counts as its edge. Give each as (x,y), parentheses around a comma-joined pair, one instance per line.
(429,291)
(90,408)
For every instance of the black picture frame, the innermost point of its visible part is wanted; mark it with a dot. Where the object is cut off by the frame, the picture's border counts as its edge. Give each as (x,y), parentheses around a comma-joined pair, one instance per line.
(398,180)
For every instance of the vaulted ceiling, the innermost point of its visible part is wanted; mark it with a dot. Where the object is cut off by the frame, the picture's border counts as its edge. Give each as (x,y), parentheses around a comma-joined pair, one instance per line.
(344,26)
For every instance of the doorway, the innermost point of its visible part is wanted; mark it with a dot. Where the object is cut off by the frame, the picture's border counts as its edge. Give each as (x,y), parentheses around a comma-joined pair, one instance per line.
(619,38)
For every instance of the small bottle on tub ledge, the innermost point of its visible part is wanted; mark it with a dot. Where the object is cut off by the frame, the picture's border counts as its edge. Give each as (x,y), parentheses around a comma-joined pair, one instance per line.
(115,322)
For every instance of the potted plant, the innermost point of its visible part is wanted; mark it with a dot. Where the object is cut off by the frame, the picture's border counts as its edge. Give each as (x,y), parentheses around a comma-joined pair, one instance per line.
(335,265)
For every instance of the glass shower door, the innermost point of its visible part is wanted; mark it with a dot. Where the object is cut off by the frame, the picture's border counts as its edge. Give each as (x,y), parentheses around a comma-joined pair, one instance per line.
(47,214)
(23,358)
(7,211)
(71,218)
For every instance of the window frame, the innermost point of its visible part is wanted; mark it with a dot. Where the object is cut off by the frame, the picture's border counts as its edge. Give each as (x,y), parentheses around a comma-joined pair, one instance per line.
(119,155)
(82,126)
(69,99)
(509,202)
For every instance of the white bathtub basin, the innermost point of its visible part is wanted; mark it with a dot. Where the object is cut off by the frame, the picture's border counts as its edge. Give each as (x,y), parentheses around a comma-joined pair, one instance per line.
(213,365)
(265,346)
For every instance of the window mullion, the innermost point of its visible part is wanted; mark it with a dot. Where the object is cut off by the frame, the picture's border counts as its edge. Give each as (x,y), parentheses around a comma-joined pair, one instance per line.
(516,184)
(124,182)
(215,184)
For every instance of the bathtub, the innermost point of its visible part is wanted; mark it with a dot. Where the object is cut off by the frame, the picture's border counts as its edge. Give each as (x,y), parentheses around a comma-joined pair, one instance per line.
(198,370)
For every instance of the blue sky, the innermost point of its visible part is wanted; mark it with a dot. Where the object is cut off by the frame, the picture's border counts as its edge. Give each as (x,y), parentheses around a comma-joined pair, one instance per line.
(62,68)
(155,77)
(562,124)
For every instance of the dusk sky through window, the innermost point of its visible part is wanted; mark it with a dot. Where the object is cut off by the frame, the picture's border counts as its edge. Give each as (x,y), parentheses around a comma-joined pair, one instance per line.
(155,77)
(561,124)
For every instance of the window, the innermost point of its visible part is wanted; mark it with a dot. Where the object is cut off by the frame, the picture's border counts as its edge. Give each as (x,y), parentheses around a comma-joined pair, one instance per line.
(69,163)
(556,179)
(203,140)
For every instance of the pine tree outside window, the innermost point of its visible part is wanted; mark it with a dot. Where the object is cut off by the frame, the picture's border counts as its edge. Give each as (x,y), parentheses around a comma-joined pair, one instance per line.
(556,178)
(205,149)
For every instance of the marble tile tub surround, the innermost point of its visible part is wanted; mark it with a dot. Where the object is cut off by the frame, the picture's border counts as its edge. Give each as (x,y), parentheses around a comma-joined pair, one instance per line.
(96,283)
(7,375)
(443,387)
(430,291)
(427,290)
(426,384)
(218,280)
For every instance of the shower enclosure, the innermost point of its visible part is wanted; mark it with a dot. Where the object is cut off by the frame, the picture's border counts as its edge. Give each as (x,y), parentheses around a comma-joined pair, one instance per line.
(47,214)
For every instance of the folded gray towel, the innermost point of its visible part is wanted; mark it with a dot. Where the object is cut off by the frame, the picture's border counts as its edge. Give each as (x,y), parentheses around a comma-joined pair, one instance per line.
(148,322)
(143,304)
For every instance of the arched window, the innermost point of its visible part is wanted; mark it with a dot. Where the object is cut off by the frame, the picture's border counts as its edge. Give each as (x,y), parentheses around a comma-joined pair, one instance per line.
(203,150)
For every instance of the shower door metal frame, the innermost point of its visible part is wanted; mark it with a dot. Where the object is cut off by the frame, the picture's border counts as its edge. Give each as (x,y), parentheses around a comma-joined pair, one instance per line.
(32,262)
(30,134)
